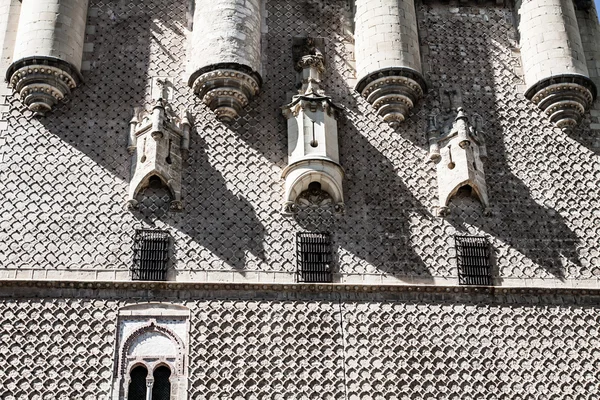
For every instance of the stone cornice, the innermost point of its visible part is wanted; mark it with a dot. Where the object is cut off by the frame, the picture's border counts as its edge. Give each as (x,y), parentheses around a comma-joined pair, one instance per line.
(580,80)
(44,61)
(174,288)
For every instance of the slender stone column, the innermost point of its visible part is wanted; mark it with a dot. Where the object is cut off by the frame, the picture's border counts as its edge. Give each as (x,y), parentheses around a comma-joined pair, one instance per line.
(225,58)
(388,60)
(554,62)
(48,51)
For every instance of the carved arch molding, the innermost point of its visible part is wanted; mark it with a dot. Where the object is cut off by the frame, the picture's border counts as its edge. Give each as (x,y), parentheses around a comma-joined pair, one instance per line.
(153,336)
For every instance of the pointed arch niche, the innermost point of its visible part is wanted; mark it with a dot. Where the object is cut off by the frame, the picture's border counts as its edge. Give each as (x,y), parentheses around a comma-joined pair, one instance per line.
(152,352)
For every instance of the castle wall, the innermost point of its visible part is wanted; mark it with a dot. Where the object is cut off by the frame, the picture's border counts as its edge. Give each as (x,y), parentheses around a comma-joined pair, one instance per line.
(66,175)
(316,345)
(394,324)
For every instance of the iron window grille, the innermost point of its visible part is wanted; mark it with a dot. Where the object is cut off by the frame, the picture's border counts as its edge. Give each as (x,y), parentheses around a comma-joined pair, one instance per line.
(473,259)
(150,255)
(314,257)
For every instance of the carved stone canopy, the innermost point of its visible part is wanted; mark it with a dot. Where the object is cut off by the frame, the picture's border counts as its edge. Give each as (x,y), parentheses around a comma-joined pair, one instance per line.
(458,149)
(159,143)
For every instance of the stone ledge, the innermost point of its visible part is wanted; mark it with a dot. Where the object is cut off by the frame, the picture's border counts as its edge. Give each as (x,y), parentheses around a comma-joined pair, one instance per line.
(134,286)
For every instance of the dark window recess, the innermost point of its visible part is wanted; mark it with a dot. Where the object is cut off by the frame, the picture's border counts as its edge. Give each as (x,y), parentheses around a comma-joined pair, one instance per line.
(150,255)
(161,389)
(473,259)
(314,257)
(137,385)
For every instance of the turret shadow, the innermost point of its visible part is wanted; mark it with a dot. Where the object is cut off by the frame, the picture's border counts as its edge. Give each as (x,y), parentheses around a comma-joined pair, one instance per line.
(212,217)
(375,227)
(216,227)
(373,236)
(518,220)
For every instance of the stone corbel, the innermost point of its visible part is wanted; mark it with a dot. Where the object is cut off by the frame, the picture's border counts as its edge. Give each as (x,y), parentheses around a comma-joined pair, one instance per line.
(226,89)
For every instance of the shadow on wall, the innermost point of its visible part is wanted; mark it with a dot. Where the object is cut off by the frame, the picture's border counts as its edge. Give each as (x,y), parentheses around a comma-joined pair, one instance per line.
(213,217)
(129,48)
(379,197)
(518,221)
(95,118)
(373,236)
(375,227)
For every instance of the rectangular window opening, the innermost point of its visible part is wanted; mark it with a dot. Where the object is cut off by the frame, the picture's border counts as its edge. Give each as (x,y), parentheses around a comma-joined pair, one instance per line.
(150,255)
(314,257)
(473,260)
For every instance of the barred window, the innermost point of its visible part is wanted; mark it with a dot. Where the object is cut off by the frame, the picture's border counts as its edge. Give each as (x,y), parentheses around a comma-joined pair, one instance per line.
(150,255)
(314,257)
(473,259)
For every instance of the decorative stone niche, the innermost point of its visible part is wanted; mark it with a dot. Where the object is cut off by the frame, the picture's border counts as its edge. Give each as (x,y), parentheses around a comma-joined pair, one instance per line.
(48,52)
(458,149)
(159,142)
(313,177)
(152,336)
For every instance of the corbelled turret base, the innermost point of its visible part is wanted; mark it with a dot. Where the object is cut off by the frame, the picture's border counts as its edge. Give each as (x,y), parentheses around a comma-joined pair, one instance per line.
(226,88)
(563,98)
(393,92)
(42,81)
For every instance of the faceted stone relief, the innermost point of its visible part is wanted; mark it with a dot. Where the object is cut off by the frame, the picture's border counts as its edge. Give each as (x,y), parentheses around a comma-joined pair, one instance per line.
(458,149)
(159,142)
(448,346)
(313,177)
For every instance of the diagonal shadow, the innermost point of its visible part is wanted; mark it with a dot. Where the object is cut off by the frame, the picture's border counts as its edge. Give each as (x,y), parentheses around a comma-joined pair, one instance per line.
(213,217)
(217,227)
(375,226)
(518,219)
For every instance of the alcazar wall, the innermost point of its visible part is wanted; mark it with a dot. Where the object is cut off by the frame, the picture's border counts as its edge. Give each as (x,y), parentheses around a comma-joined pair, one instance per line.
(232,321)
(66,174)
(307,344)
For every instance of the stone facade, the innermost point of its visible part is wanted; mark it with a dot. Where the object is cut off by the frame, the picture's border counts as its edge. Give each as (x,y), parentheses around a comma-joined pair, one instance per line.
(394,323)
(316,345)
